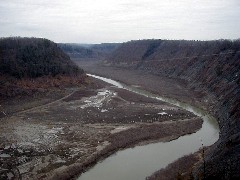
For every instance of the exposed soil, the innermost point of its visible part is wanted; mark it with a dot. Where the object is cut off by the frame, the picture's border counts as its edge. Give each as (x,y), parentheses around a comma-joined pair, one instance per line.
(70,130)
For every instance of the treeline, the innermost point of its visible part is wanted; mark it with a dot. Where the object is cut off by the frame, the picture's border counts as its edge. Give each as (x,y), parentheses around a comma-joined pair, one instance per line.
(88,51)
(34,57)
(78,51)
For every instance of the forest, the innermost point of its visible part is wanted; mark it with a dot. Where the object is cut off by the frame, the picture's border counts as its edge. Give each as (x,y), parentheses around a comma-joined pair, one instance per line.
(88,51)
(34,57)
(30,65)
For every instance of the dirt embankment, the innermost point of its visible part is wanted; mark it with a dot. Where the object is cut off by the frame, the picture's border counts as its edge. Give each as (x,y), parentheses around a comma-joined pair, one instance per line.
(61,139)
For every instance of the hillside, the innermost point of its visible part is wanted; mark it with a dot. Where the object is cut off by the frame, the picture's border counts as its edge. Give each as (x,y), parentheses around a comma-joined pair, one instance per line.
(88,51)
(30,64)
(211,67)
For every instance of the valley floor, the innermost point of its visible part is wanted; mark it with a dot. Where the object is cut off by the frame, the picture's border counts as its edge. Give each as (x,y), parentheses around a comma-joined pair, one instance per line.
(163,86)
(62,136)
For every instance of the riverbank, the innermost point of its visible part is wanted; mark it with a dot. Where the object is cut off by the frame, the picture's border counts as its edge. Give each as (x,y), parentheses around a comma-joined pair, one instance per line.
(164,86)
(65,137)
(180,169)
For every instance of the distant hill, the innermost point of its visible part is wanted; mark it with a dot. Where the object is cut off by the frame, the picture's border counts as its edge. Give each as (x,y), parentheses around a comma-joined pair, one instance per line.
(25,61)
(88,51)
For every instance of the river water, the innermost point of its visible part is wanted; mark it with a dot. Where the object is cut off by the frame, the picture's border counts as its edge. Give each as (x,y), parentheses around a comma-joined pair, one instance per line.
(141,161)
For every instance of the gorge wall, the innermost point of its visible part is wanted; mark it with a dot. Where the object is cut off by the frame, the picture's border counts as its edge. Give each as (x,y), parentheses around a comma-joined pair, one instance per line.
(212,67)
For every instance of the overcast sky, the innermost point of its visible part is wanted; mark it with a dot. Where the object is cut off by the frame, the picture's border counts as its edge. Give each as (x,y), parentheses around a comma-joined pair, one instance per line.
(96,21)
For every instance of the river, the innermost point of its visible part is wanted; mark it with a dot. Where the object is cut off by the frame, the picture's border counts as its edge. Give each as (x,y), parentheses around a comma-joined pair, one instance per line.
(141,161)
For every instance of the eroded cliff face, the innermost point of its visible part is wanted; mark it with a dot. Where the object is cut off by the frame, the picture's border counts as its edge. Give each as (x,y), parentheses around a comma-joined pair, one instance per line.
(212,67)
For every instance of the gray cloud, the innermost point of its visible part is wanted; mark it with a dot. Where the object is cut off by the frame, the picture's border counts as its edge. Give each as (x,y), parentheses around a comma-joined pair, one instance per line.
(95,21)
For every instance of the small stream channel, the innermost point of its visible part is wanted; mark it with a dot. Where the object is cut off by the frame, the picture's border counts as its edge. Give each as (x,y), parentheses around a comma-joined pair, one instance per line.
(141,161)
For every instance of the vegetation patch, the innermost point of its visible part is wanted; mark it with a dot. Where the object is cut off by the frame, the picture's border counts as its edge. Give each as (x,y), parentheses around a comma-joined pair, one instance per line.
(34,64)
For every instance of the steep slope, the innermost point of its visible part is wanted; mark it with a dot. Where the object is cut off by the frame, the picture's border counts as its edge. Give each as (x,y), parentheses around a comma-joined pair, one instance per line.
(208,66)
(32,63)
(134,51)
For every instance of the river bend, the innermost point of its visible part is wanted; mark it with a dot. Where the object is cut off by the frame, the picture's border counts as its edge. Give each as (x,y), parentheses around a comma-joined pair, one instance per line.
(141,161)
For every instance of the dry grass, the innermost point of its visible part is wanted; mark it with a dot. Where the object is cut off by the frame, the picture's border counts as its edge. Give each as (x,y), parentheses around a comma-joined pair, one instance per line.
(11,87)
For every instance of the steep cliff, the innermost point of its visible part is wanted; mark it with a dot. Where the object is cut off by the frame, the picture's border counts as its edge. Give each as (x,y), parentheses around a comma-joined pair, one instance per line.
(212,67)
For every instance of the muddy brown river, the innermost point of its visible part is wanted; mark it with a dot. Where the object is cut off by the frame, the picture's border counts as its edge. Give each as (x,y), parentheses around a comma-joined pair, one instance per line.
(141,161)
